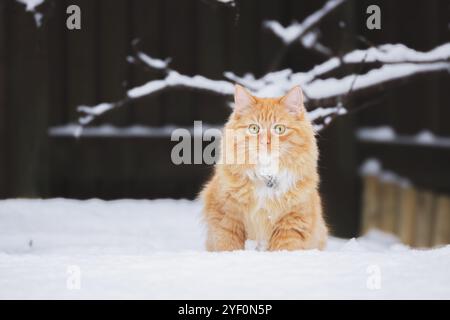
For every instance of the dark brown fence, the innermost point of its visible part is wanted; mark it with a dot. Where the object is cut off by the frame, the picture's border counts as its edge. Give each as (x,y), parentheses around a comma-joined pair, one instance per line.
(46,72)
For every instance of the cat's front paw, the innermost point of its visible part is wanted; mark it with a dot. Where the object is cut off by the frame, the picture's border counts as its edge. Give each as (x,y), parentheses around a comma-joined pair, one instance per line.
(221,246)
(224,241)
(287,240)
(287,245)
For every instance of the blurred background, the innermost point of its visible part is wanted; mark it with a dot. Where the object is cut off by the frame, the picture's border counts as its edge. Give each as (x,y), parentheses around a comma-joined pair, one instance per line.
(386,166)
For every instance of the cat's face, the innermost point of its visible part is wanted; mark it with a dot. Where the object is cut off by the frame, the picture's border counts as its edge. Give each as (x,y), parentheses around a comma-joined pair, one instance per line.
(277,129)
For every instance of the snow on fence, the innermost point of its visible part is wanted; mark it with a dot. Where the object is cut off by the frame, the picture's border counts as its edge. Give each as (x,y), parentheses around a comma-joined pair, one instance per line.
(420,218)
(386,134)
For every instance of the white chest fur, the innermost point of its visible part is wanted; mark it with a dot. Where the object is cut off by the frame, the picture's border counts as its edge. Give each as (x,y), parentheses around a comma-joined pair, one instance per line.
(270,181)
(274,186)
(268,207)
(270,184)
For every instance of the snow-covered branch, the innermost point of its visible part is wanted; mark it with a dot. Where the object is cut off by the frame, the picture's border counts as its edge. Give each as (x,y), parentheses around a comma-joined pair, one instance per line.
(293,33)
(326,96)
(145,60)
(398,64)
(296,31)
(148,61)
(30,6)
(226,3)
(305,32)
(381,55)
(173,80)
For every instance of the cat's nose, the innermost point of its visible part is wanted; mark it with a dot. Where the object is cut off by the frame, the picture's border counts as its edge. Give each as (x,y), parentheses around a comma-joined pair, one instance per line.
(265,138)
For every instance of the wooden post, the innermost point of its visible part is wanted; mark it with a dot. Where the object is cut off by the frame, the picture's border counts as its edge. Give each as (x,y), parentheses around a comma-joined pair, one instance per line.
(441,232)
(3,82)
(28,101)
(389,206)
(407,210)
(424,218)
(370,204)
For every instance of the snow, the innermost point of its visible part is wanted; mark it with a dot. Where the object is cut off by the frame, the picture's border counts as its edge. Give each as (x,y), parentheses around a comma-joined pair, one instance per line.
(314,18)
(247,80)
(228,2)
(294,32)
(425,137)
(320,89)
(174,79)
(370,167)
(310,39)
(90,113)
(277,83)
(31,6)
(109,130)
(99,109)
(287,34)
(396,53)
(300,31)
(387,53)
(386,134)
(324,112)
(152,62)
(154,249)
(382,133)
(373,167)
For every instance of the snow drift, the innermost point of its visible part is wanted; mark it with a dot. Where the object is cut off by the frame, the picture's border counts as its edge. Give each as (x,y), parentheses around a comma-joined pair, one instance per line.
(154,250)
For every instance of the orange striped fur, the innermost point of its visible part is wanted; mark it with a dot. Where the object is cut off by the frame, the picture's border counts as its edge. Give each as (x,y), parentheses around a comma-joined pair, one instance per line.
(240,202)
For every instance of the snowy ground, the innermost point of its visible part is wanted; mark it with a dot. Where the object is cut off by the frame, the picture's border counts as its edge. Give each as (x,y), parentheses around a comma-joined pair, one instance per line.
(153,249)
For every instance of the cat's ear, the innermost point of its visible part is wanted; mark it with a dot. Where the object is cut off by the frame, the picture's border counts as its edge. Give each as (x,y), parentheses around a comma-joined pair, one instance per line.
(242,98)
(293,101)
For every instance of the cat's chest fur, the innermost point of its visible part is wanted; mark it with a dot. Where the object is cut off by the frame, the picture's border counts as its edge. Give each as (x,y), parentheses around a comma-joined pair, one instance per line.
(269,184)
(269,181)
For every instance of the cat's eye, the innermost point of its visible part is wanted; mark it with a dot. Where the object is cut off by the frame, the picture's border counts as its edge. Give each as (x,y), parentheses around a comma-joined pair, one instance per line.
(279,129)
(253,129)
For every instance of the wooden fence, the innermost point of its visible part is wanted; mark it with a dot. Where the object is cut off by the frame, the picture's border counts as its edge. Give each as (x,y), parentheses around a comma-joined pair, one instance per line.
(419,217)
(46,72)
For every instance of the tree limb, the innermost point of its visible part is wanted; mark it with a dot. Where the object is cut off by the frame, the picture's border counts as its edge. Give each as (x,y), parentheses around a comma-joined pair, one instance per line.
(320,93)
(298,31)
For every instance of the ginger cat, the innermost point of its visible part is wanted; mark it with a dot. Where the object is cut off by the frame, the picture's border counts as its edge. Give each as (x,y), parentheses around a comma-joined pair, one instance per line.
(273,199)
